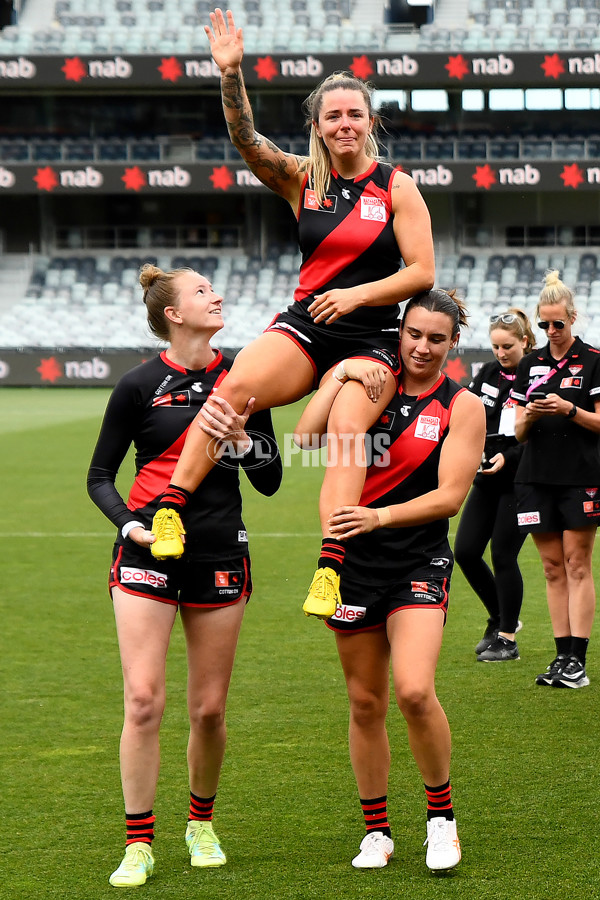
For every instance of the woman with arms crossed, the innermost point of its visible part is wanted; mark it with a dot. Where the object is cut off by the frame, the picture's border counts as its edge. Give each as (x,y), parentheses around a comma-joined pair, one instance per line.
(152,406)
(396,575)
(490,513)
(558,479)
(358,219)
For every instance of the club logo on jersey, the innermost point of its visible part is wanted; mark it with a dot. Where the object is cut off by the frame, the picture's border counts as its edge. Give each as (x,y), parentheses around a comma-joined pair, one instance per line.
(386,419)
(228,579)
(197,386)
(176,398)
(130,575)
(373,209)
(529,518)
(575,370)
(345,193)
(311,202)
(405,410)
(347,613)
(428,428)
(571,382)
(591,492)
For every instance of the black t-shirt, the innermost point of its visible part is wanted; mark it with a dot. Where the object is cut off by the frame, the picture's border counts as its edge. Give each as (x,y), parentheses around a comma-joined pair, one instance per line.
(493,385)
(558,450)
(152,407)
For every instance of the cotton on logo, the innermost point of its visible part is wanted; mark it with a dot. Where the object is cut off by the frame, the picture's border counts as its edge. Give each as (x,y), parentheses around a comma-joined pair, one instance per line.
(130,575)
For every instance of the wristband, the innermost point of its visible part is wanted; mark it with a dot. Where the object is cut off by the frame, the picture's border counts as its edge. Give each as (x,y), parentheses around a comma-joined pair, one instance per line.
(572,412)
(129,527)
(384,515)
(339,373)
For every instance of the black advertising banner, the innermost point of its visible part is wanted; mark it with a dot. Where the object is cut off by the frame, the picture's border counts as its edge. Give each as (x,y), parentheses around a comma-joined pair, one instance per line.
(576,68)
(218,178)
(91,367)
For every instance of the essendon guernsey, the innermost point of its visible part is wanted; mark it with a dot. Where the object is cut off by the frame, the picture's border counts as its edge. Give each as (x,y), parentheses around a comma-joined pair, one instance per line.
(405,446)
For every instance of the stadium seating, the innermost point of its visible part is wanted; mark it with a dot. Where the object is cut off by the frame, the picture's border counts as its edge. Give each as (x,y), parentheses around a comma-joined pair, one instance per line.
(83,300)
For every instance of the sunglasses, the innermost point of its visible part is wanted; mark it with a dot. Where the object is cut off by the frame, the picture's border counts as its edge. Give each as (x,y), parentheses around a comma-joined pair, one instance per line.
(559,324)
(506,318)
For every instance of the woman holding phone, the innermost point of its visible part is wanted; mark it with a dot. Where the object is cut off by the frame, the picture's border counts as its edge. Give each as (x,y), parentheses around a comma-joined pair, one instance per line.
(489,516)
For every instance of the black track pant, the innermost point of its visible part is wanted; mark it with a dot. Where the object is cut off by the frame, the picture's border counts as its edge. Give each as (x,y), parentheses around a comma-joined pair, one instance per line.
(490,515)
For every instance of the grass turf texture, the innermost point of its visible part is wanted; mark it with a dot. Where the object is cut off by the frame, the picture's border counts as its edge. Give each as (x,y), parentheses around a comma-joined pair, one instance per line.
(524,757)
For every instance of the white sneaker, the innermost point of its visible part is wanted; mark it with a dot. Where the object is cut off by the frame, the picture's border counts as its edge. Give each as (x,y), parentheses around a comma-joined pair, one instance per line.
(443,846)
(376,850)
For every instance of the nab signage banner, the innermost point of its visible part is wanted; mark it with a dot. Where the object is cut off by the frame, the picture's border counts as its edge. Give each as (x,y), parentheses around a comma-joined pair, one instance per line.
(217,178)
(562,68)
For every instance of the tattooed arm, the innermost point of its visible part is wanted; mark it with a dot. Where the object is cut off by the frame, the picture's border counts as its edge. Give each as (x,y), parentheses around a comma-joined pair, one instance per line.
(282,172)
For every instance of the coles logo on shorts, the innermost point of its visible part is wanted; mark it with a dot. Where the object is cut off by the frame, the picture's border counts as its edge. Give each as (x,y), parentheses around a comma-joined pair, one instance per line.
(428,428)
(129,575)
(347,613)
(419,586)
(529,518)
(227,579)
(591,507)
(373,209)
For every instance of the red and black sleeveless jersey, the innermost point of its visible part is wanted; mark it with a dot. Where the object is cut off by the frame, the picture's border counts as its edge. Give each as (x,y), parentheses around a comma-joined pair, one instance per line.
(404,449)
(349,240)
(152,407)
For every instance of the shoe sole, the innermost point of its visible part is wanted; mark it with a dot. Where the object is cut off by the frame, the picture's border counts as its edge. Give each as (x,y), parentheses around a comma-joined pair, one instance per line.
(502,659)
(583,682)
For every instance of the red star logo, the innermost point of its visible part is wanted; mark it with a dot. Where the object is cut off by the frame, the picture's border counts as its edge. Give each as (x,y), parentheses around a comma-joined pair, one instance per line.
(457,67)
(265,68)
(455,369)
(327,202)
(484,176)
(49,370)
(221,178)
(46,179)
(572,176)
(74,69)
(361,67)
(133,178)
(553,66)
(384,419)
(170,69)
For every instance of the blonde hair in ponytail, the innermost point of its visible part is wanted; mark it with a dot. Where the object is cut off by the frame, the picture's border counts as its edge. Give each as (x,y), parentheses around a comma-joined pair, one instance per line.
(554,291)
(160,291)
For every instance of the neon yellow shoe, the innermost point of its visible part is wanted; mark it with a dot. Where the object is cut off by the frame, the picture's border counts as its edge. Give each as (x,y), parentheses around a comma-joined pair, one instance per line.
(168,528)
(324,594)
(136,867)
(203,844)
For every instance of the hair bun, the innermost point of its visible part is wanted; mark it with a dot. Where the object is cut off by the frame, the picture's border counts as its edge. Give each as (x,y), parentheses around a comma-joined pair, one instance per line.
(148,275)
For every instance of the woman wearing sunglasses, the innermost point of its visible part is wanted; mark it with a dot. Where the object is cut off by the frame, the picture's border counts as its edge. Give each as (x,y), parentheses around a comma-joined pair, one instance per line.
(557,390)
(489,516)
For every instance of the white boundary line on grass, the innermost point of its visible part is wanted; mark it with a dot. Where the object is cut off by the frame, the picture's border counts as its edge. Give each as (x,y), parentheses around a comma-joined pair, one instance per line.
(107,535)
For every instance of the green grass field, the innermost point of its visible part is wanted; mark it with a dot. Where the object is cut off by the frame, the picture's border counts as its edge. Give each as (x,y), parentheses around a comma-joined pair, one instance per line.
(525,759)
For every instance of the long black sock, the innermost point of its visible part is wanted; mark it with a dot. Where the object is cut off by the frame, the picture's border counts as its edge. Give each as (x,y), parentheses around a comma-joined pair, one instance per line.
(563,645)
(332,554)
(174,497)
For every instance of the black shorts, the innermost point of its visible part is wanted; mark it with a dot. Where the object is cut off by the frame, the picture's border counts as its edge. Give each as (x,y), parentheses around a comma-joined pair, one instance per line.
(326,346)
(553,507)
(180,582)
(367,606)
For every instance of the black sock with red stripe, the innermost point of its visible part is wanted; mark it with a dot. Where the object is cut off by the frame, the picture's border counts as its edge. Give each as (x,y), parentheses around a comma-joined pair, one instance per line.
(174,498)
(332,554)
(201,808)
(140,827)
(375,813)
(439,802)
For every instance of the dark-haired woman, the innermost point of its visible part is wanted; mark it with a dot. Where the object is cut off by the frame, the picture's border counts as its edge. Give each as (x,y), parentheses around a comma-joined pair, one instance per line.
(152,407)
(358,220)
(425,450)
(490,513)
(557,389)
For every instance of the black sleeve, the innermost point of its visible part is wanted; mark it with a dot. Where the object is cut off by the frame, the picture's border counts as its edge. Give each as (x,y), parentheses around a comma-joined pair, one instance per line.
(116,435)
(262,464)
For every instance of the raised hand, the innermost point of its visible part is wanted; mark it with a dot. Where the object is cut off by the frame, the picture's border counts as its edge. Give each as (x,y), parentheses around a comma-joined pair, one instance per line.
(226,41)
